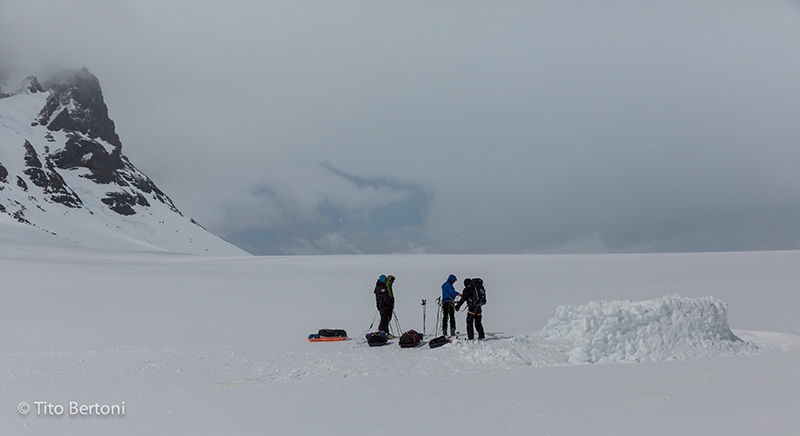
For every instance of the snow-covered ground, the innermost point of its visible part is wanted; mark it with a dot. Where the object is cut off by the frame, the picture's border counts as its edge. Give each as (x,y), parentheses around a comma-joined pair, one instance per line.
(676,344)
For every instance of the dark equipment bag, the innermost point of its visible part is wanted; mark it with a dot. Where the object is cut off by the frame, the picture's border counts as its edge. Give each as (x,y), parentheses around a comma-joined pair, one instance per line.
(410,339)
(332,333)
(438,342)
(375,339)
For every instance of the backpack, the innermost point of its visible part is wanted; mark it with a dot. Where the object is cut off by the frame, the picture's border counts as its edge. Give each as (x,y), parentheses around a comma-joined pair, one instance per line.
(332,333)
(410,339)
(479,296)
(376,339)
(438,342)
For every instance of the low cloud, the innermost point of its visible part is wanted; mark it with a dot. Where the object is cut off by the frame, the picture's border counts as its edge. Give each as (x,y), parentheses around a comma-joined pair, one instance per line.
(448,127)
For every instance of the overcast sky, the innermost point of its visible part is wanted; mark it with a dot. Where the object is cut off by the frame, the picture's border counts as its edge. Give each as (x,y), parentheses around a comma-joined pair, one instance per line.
(449,126)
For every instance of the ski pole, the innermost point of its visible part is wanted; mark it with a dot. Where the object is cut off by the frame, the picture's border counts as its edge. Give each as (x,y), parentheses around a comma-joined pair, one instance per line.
(424,312)
(438,315)
(373,322)
(397,323)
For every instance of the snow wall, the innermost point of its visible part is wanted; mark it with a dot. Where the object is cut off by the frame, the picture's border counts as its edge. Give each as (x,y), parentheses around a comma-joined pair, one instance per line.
(667,328)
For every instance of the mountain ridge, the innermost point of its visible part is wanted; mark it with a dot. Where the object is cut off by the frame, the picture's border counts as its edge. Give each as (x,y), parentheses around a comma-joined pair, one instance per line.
(62,170)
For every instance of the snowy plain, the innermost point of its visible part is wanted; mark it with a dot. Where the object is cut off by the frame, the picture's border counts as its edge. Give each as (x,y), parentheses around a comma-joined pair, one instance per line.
(217,345)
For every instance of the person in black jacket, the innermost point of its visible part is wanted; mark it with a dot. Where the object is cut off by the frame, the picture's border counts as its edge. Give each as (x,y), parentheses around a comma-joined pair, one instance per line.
(474,313)
(384,300)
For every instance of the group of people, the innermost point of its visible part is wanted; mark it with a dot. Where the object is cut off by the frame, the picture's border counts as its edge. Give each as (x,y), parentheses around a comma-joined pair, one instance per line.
(450,307)
(384,300)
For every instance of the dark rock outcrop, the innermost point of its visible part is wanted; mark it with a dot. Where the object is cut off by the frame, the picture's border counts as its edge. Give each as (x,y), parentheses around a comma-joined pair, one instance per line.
(122,203)
(47,178)
(33,85)
(21,183)
(88,114)
(87,153)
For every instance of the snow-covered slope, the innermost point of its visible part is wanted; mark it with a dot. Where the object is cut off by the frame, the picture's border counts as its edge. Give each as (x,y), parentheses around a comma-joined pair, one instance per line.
(62,171)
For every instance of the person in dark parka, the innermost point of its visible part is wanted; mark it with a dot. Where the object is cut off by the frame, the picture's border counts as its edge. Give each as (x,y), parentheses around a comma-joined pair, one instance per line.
(384,300)
(474,313)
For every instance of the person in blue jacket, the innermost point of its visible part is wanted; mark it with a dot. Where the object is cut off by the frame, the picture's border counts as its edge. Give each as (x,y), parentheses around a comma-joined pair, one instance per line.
(449,295)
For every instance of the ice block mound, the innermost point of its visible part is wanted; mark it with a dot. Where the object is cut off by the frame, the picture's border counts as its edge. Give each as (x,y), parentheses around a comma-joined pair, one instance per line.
(667,328)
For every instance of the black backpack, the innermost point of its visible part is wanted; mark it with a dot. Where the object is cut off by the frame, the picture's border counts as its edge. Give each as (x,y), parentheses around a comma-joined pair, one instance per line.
(376,339)
(332,333)
(479,296)
(410,339)
(438,342)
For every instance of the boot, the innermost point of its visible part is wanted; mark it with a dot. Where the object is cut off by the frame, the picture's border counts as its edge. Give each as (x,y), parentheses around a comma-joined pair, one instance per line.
(452,331)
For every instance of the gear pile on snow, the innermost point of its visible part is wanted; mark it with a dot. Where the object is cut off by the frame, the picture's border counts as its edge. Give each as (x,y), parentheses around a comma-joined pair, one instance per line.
(410,339)
(438,342)
(326,335)
(376,339)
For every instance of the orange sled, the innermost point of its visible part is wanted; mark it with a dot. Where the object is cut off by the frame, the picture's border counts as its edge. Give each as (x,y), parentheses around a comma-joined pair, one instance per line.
(316,338)
(328,335)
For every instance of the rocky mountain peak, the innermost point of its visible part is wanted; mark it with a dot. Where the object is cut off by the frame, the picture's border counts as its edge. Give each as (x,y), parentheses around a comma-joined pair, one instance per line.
(31,84)
(76,107)
(62,170)
(76,104)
